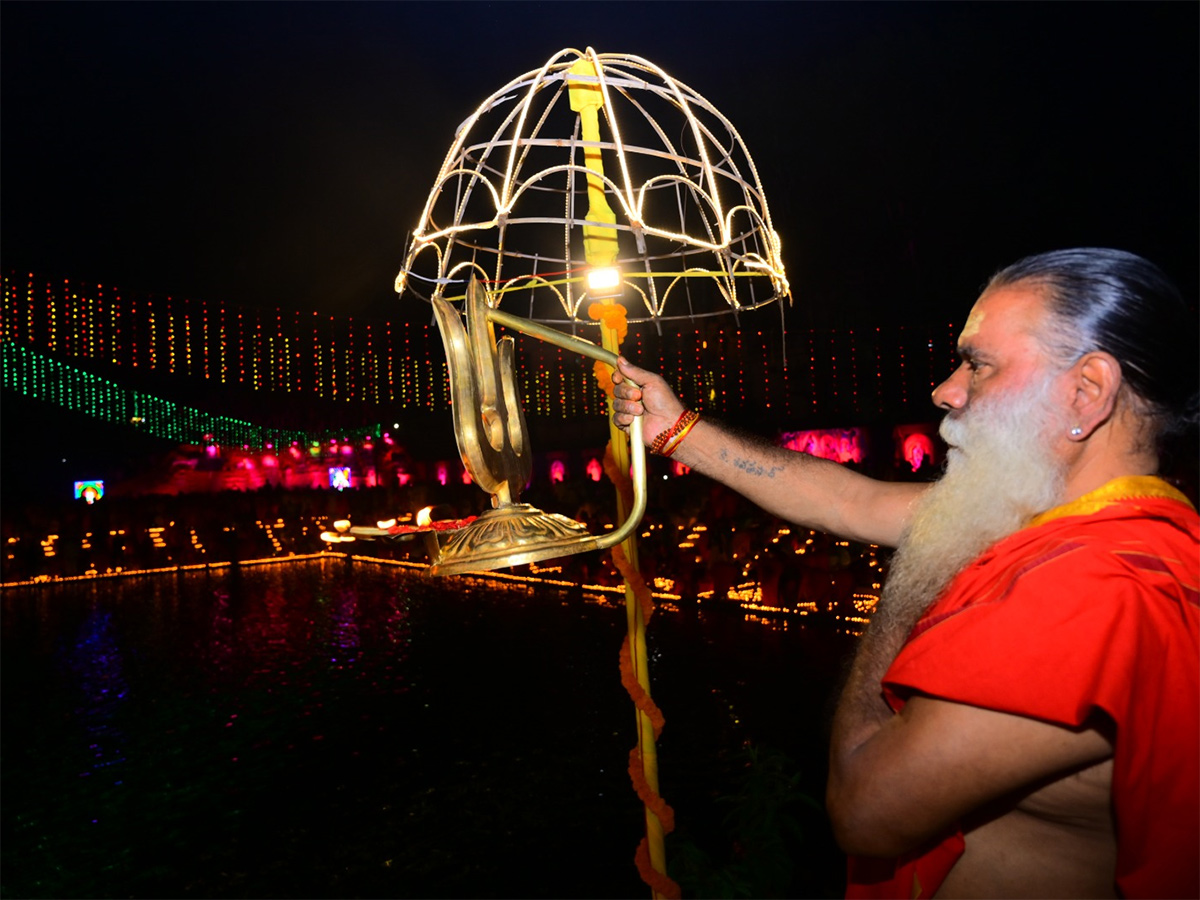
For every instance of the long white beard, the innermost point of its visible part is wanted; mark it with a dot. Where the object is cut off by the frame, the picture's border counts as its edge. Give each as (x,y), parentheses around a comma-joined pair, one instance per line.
(1000,473)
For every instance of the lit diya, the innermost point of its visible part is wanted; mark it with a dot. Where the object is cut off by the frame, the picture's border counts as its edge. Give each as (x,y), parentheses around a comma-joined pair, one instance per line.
(392,531)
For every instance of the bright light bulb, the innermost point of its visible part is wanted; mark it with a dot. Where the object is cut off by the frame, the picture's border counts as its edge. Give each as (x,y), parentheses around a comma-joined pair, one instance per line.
(604,282)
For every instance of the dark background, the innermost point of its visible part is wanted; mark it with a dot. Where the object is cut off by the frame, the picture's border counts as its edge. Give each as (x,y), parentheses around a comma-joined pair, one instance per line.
(278,153)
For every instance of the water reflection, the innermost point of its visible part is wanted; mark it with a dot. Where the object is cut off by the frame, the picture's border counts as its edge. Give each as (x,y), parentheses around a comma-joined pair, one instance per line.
(335,729)
(343,636)
(95,661)
(269,629)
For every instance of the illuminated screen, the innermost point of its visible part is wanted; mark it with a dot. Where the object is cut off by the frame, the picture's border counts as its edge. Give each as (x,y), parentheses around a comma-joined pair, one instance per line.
(89,490)
(339,477)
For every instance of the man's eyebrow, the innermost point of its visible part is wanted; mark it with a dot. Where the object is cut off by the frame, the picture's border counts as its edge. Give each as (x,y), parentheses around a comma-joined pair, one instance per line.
(970,352)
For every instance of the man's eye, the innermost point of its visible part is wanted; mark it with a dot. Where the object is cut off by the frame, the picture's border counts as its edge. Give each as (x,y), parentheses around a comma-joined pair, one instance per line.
(974,365)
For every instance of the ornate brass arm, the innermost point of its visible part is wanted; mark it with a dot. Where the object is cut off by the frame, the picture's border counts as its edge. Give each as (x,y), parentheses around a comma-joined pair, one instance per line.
(489,426)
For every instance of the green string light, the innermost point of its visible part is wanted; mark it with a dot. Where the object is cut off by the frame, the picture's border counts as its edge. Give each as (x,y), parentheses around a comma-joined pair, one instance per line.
(41,377)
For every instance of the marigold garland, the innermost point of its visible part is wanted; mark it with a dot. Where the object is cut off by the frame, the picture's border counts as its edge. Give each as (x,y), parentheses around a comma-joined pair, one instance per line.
(621,482)
(638,694)
(656,804)
(659,883)
(604,376)
(613,315)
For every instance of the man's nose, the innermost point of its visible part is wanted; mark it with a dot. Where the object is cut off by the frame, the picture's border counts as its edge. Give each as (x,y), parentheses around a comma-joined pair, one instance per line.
(952,393)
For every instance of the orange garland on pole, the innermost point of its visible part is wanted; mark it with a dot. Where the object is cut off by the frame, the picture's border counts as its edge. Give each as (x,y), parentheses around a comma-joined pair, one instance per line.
(612,317)
(660,883)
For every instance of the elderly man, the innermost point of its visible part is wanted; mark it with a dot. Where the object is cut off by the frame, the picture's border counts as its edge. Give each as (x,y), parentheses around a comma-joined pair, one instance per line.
(1022,717)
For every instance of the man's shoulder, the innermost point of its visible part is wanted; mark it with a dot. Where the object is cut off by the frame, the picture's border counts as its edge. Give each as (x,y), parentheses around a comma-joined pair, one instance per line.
(1061,623)
(1127,560)
(1146,539)
(1148,509)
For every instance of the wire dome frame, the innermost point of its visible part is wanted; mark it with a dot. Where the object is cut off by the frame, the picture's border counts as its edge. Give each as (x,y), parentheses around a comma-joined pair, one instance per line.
(510,204)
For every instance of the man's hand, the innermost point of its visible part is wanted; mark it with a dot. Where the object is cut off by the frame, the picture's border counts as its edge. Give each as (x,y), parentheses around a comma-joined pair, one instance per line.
(654,400)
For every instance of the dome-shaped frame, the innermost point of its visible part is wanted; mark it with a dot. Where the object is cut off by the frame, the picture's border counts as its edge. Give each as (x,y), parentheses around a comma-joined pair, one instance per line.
(510,201)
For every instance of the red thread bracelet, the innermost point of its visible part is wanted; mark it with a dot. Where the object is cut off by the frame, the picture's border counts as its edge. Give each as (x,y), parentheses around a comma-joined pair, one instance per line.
(667,441)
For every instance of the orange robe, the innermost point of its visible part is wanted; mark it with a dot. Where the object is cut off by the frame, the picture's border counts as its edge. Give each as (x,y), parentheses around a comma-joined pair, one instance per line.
(1094,606)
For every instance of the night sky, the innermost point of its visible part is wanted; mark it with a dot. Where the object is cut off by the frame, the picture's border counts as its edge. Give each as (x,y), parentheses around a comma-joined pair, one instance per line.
(278,153)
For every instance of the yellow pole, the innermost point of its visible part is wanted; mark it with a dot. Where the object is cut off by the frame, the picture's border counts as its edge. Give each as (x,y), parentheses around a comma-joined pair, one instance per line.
(586,98)
(600,249)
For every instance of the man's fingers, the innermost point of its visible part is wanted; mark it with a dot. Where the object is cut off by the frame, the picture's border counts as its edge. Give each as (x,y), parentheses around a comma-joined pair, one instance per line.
(629,406)
(626,369)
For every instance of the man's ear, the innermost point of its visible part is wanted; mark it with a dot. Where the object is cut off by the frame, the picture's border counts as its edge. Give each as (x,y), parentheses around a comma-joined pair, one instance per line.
(1096,382)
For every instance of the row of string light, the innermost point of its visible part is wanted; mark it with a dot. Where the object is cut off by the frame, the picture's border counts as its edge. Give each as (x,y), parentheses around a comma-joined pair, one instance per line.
(403,365)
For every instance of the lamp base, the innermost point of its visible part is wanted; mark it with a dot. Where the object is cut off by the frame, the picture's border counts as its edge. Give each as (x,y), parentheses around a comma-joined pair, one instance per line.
(511,535)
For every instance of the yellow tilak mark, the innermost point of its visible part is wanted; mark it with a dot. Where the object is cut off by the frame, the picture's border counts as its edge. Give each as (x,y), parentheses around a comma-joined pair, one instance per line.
(974,321)
(599,243)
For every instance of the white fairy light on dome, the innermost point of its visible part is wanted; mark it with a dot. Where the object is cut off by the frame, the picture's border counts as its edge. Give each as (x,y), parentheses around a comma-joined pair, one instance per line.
(520,186)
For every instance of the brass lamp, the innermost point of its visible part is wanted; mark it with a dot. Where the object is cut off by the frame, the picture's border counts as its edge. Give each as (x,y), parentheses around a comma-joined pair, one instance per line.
(489,426)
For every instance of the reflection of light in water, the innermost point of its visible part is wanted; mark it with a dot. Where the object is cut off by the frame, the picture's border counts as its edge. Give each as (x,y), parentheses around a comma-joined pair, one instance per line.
(344,632)
(270,637)
(96,661)
(397,627)
(396,624)
(302,732)
(221,643)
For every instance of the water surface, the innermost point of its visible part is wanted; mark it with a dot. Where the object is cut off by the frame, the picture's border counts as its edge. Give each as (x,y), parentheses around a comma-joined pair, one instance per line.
(337,729)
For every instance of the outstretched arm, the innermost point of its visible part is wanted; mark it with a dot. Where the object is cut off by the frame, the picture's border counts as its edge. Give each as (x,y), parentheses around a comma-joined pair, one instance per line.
(796,487)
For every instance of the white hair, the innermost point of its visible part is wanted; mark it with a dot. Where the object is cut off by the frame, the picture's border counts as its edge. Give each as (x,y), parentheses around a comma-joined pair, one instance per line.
(1000,473)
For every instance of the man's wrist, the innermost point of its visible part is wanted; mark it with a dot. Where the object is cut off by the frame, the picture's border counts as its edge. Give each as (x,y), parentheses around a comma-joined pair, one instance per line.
(667,441)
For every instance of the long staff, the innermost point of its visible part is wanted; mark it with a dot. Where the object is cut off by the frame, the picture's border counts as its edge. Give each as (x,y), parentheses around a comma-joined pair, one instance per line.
(600,252)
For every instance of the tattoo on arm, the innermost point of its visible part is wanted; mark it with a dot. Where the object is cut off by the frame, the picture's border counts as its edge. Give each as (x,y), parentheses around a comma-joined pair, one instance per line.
(749,466)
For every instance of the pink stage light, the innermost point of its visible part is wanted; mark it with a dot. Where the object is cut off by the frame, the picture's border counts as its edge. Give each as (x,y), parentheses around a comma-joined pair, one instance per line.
(917,448)
(837,444)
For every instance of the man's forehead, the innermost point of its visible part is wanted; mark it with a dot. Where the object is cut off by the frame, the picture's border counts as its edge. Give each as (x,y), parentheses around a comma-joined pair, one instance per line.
(1007,311)
(974,323)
